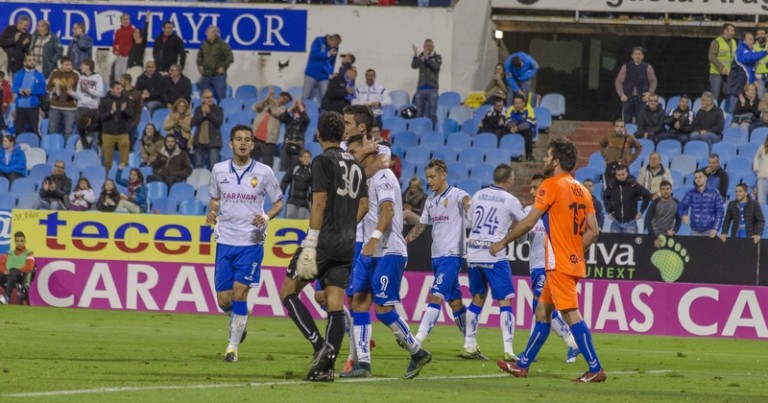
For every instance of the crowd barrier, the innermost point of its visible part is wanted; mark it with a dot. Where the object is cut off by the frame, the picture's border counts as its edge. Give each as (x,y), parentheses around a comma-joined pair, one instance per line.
(689,287)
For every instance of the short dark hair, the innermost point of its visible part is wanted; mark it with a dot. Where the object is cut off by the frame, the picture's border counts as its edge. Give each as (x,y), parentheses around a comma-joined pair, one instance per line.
(362,114)
(518,96)
(517,61)
(18,234)
(665,183)
(618,119)
(726,26)
(587,180)
(538,176)
(89,63)
(166,22)
(370,71)
(564,151)
(714,155)
(287,95)
(621,167)
(22,18)
(330,127)
(126,77)
(438,164)
(502,173)
(114,83)
(701,171)
(686,96)
(11,138)
(638,48)
(238,128)
(65,59)
(743,185)
(495,100)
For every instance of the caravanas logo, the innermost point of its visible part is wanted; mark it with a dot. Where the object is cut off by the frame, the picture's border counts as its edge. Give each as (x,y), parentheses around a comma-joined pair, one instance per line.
(670,259)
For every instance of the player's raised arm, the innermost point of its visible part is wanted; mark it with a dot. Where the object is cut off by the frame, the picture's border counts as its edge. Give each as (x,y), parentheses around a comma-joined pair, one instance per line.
(518,230)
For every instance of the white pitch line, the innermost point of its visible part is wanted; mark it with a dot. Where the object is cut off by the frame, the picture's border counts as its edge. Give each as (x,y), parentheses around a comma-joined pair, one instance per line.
(122,389)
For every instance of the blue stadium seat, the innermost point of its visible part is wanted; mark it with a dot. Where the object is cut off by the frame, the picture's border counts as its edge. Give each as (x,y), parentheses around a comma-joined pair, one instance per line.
(485,141)
(587,173)
(232,105)
(240,118)
(156,190)
(199,177)
(458,172)
(182,191)
(482,173)
(158,117)
(27,200)
(596,161)
(96,173)
(631,128)
(399,97)
(735,135)
(459,141)
(395,125)
(555,103)
(431,140)
(726,151)
(4,185)
(738,165)
(685,164)
(471,156)
(514,143)
(40,172)
(677,177)
(312,107)
(202,194)
(164,205)
(35,156)
(460,113)
(696,148)
(648,147)
(23,185)
(470,186)
(419,125)
(43,126)
(275,88)
(672,103)
(470,125)
(191,207)
(447,126)
(134,159)
(61,155)
(29,139)
(85,158)
(52,142)
(498,156)
(543,118)
(449,98)
(669,147)
(447,154)
(388,112)
(296,91)
(72,142)
(696,105)
(758,135)
(747,150)
(247,91)
(7,201)
(404,140)
(408,169)
(417,155)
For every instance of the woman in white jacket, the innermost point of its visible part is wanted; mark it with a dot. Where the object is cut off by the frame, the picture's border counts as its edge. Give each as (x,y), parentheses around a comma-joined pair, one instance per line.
(760,166)
(82,197)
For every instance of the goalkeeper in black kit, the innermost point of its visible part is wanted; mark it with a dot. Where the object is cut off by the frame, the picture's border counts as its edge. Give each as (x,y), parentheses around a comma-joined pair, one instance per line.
(339,200)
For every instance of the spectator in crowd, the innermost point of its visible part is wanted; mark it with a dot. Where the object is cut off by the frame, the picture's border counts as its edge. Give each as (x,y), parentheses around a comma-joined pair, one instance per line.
(54,193)
(679,121)
(46,48)
(709,121)
(761,69)
(108,198)
(495,120)
(341,91)
(172,165)
(653,173)
(705,206)
(522,120)
(618,148)
(621,198)
(15,265)
(743,217)
(299,178)
(15,41)
(520,69)
(6,98)
(743,72)
(717,178)
(151,86)
(136,55)
(721,54)
(122,44)
(347,61)
(89,128)
(650,121)
(266,126)
(596,203)
(135,102)
(414,199)
(635,82)
(14,162)
(206,123)
(178,123)
(90,88)
(176,86)
(135,201)
(29,87)
(497,87)
(81,47)
(151,144)
(61,83)
(428,63)
(322,58)
(82,197)
(213,60)
(296,122)
(746,112)
(115,116)
(168,50)
(662,218)
(760,166)
(374,95)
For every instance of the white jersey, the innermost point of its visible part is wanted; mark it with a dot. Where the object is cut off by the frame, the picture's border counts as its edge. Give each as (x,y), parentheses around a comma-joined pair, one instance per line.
(365,95)
(536,239)
(494,210)
(383,186)
(380,149)
(241,194)
(445,213)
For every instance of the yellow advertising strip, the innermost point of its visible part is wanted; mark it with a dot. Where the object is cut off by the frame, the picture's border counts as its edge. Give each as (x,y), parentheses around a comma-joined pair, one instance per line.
(141,237)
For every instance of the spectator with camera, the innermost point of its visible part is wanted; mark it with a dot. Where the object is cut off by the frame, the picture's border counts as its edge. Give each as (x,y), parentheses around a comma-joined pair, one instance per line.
(679,121)
(206,123)
(296,122)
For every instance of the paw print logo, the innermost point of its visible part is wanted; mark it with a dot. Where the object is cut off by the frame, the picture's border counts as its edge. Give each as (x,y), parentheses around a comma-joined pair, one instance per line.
(670,259)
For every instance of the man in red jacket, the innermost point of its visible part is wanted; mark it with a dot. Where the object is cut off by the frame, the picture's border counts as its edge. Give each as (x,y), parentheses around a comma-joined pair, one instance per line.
(122,44)
(15,266)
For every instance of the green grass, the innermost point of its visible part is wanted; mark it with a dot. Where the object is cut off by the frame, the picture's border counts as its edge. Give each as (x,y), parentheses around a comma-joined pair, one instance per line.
(178,358)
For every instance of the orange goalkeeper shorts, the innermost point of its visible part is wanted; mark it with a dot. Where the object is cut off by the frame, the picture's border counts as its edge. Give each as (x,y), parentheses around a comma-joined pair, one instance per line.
(560,290)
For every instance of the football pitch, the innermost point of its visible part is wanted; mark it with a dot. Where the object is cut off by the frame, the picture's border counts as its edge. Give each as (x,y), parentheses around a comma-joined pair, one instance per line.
(74,355)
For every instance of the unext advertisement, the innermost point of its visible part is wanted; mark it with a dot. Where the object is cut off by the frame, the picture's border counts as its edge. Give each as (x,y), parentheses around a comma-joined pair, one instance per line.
(166,263)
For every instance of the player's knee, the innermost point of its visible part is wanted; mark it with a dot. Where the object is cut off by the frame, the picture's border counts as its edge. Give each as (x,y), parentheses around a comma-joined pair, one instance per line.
(224,301)
(382,311)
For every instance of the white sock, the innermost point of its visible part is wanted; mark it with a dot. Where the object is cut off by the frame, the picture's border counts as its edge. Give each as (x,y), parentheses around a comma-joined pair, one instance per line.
(236,327)
(403,333)
(428,321)
(563,330)
(349,330)
(507,323)
(362,342)
(470,338)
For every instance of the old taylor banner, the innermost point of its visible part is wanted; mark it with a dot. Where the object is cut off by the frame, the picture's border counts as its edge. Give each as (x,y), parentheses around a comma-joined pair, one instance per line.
(642,6)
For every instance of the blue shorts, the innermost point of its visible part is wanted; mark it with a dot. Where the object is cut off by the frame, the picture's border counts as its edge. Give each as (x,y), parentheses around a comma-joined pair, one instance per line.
(237,263)
(498,275)
(358,248)
(537,283)
(380,276)
(446,270)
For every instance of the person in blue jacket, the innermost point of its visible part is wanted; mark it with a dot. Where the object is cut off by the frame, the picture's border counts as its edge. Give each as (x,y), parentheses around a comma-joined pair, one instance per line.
(520,68)
(743,70)
(13,161)
(702,207)
(135,200)
(322,58)
(28,86)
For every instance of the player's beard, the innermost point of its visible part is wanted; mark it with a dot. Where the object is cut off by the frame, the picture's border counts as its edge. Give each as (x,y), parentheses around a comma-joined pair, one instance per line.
(549,169)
